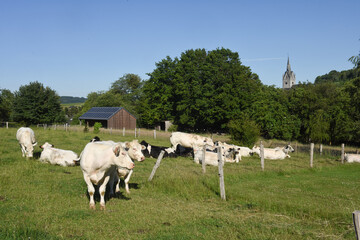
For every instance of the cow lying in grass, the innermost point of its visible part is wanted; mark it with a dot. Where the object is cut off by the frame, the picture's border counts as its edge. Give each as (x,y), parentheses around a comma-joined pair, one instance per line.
(275,153)
(154,151)
(57,156)
(351,158)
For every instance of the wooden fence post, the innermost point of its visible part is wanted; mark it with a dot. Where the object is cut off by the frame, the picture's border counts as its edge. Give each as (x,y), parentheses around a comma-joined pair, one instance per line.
(342,153)
(356,220)
(123,132)
(157,164)
(7,125)
(203,160)
(321,148)
(262,156)
(135,132)
(221,174)
(311,154)
(154,133)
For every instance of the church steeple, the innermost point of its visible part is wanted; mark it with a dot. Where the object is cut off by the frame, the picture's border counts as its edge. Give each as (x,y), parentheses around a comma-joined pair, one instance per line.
(289,79)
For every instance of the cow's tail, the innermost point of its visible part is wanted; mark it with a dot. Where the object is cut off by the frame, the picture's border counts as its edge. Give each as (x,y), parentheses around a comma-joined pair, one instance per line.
(77,160)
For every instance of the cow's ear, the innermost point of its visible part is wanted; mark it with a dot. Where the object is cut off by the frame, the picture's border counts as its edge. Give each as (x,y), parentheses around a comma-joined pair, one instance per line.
(127,145)
(143,147)
(116,150)
(34,143)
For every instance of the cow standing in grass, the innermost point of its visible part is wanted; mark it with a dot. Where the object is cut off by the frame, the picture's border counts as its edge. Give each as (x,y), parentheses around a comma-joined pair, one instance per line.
(189,140)
(98,162)
(26,138)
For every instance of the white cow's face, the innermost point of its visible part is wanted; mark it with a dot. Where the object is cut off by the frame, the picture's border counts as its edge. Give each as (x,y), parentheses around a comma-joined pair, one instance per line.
(134,150)
(29,150)
(46,145)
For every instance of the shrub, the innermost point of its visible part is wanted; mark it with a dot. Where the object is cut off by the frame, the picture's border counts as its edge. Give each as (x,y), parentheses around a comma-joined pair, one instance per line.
(97,127)
(244,131)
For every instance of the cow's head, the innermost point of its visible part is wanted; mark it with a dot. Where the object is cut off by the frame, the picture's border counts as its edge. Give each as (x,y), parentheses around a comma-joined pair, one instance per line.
(46,145)
(122,157)
(134,149)
(288,149)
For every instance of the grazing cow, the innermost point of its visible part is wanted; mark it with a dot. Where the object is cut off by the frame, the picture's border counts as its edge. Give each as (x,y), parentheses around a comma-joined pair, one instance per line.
(95,139)
(211,158)
(26,138)
(154,151)
(57,156)
(189,140)
(352,157)
(275,153)
(98,162)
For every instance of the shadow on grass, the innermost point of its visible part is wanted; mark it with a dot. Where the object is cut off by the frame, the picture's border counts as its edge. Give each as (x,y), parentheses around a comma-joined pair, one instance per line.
(108,195)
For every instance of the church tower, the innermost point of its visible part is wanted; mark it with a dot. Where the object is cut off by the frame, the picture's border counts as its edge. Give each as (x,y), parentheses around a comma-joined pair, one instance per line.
(288,77)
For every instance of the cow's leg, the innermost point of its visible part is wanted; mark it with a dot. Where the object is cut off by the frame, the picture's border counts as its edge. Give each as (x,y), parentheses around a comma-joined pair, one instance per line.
(91,191)
(117,187)
(102,189)
(127,179)
(22,150)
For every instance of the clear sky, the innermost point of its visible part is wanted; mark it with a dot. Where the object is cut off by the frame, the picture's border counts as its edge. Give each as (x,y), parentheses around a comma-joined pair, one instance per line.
(80,46)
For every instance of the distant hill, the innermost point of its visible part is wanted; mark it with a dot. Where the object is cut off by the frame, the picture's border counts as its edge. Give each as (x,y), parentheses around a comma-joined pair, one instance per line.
(68,99)
(338,77)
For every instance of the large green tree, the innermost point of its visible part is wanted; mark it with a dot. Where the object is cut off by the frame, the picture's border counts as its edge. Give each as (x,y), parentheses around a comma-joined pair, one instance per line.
(34,103)
(6,102)
(201,91)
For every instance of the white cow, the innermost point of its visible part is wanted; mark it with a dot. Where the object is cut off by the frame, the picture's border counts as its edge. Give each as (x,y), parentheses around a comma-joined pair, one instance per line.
(133,148)
(352,157)
(57,156)
(274,153)
(26,138)
(189,140)
(98,161)
(211,158)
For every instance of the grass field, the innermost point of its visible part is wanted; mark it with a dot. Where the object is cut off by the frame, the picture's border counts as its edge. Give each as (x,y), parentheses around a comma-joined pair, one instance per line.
(286,201)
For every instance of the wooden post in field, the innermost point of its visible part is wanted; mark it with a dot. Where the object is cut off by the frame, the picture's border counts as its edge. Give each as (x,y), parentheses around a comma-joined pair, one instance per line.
(135,132)
(356,220)
(66,127)
(221,174)
(203,160)
(7,125)
(262,159)
(123,132)
(311,154)
(157,164)
(321,146)
(154,133)
(342,153)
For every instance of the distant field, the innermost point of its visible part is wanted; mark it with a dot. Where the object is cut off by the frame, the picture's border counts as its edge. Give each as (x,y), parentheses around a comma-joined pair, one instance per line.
(286,201)
(71,104)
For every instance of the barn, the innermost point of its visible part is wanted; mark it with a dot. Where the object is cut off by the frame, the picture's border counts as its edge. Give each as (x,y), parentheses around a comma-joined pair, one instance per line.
(110,117)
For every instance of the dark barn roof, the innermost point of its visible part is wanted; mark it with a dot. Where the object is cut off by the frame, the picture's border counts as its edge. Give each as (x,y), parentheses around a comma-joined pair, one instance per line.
(101,113)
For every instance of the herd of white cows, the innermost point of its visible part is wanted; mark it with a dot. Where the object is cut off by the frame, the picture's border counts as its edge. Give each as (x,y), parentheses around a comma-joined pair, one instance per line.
(104,162)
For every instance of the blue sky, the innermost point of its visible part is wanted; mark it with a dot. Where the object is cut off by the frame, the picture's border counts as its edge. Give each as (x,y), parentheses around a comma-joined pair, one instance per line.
(81,46)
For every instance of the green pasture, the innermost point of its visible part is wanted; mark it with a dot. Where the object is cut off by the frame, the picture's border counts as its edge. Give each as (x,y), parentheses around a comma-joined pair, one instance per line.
(286,201)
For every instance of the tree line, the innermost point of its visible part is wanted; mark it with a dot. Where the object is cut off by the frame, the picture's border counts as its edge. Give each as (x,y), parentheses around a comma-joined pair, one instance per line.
(212,91)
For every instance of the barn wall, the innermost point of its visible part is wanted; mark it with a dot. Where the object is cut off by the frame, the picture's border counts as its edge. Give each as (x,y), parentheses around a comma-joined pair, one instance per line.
(122,119)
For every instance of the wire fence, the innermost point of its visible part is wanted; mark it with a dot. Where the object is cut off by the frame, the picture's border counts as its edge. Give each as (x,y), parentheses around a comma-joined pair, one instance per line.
(153,133)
